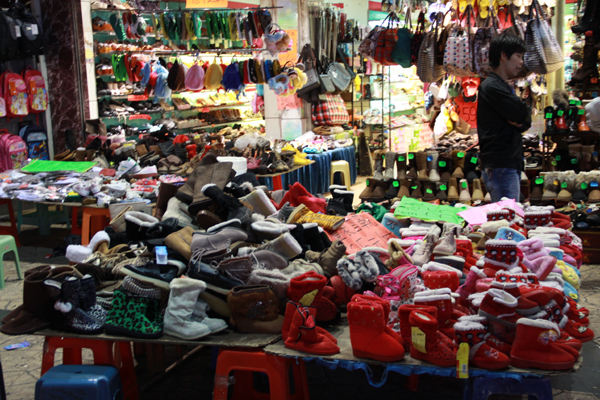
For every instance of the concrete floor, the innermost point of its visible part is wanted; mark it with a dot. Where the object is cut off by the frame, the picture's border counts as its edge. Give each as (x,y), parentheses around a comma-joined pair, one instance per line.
(193,378)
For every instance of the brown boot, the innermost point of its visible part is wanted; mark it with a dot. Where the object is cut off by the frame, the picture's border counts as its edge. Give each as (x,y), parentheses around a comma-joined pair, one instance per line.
(412,166)
(328,258)
(428,191)
(458,161)
(380,190)
(165,192)
(445,166)
(400,166)
(478,192)
(422,166)
(186,192)
(452,190)
(416,190)
(254,309)
(80,154)
(62,156)
(404,189)
(180,241)
(368,192)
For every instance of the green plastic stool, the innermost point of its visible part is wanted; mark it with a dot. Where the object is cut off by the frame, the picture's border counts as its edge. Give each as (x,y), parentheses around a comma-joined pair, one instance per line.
(7,243)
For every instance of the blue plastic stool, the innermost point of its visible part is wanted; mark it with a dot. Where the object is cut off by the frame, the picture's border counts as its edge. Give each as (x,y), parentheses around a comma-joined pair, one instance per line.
(480,388)
(82,382)
(7,243)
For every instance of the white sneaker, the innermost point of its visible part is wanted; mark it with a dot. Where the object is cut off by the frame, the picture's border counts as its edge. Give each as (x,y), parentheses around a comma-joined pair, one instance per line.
(128,166)
(96,185)
(146,172)
(82,188)
(118,188)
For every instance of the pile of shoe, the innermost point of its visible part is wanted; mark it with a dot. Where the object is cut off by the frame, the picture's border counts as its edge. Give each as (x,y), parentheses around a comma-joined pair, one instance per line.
(566,186)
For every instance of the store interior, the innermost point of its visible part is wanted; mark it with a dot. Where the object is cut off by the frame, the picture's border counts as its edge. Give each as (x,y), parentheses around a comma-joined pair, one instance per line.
(295,191)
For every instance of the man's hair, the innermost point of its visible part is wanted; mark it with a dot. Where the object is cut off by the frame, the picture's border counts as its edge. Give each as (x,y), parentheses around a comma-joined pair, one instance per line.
(505,43)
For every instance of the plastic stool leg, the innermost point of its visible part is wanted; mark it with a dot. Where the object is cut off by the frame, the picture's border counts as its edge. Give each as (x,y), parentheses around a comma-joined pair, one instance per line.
(73,356)
(17,262)
(127,370)
(2,270)
(13,224)
(300,380)
(86,221)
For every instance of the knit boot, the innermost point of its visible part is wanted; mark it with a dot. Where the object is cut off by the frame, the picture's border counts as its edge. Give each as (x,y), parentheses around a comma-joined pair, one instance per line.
(76,319)
(447,243)
(415,188)
(329,257)
(290,311)
(465,196)
(423,254)
(468,287)
(535,346)
(400,166)
(178,314)
(458,162)
(551,186)
(567,186)
(87,299)
(477,191)
(304,335)
(432,164)
(368,334)
(405,189)
(378,168)
(440,191)
(307,283)
(438,298)
(481,355)
(536,218)
(445,166)
(428,191)
(499,306)
(390,160)
(499,255)
(422,166)
(412,166)
(589,68)
(431,349)
(452,190)
(254,309)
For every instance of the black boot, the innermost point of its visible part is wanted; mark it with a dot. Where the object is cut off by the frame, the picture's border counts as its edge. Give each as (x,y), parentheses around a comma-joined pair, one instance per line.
(589,67)
(589,19)
(229,207)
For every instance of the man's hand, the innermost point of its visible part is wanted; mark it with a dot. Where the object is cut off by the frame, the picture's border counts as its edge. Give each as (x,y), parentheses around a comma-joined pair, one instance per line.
(515,124)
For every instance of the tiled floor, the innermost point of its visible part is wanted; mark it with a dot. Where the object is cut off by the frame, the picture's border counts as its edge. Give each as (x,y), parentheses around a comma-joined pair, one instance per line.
(194,377)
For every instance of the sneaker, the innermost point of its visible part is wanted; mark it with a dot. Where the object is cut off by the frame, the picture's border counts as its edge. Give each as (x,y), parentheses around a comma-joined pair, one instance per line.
(146,172)
(128,166)
(155,274)
(118,188)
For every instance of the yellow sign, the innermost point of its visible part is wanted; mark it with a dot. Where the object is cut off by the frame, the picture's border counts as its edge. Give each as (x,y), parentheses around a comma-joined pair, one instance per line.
(291,55)
(462,364)
(418,339)
(206,3)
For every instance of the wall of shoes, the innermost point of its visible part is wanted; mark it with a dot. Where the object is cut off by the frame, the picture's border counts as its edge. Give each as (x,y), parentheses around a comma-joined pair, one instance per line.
(188,68)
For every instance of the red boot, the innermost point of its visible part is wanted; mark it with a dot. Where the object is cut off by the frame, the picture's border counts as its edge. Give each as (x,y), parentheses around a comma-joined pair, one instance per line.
(304,336)
(535,346)
(499,306)
(309,282)
(290,310)
(291,196)
(436,352)
(386,312)
(481,355)
(368,333)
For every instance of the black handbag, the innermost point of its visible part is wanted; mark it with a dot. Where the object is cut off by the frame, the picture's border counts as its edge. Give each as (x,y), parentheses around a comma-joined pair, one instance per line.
(310,91)
(327,85)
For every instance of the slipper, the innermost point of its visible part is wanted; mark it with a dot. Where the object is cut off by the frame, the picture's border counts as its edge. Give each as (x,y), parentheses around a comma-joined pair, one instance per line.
(470,86)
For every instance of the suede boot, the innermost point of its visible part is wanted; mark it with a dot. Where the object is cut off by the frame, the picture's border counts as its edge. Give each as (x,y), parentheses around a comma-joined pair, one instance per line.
(290,311)
(378,168)
(368,334)
(423,254)
(180,241)
(285,245)
(393,189)
(567,186)
(428,191)
(390,160)
(416,192)
(412,166)
(165,192)
(304,334)
(433,350)
(432,164)
(452,190)
(307,283)
(186,192)
(481,355)
(367,194)
(328,258)
(404,191)
(458,162)
(422,166)
(254,309)
(465,196)
(400,166)
(440,191)
(445,166)
(471,162)
(261,203)
(447,243)
(477,191)
(581,185)
(219,174)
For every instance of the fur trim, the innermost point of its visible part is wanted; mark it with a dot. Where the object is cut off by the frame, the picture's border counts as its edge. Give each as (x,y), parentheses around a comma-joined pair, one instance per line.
(276,280)
(208,185)
(366,266)
(475,318)
(255,217)
(340,191)
(334,187)
(493,226)
(538,323)
(436,266)
(293,243)
(77,254)
(309,225)
(247,185)
(262,199)
(500,242)
(347,271)
(466,325)
(503,285)
(187,283)
(141,219)
(99,238)
(181,266)
(513,273)
(427,299)
(269,228)
(223,225)
(434,292)
(478,271)
(500,296)
(480,263)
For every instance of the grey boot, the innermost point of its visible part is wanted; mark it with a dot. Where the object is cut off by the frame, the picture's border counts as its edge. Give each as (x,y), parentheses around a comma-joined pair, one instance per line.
(390,160)
(447,243)
(378,169)
(423,253)
(432,161)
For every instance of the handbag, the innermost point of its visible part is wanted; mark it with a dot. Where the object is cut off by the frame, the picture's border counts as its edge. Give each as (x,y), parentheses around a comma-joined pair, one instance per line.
(369,44)
(517,27)
(427,69)
(481,44)
(310,91)
(417,39)
(332,111)
(458,56)
(327,85)
(402,50)
(386,43)
(543,54)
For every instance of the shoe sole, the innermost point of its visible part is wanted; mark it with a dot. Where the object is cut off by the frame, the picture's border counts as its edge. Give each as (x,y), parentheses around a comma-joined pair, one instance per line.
(526,364)
(174,334)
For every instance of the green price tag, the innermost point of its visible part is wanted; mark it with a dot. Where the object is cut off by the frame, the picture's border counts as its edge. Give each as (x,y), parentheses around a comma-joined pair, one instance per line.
(442,187)
(539,181)
(383,156)
(413,187)
(401,158)
(429,191)
(573,161)
(578,102)
(553,163)
(464,185)
(442,164)
(548,115)
(572,102)
(581,111)
(584,185)
(395,184)
(558,158)
(368,182)
(560,113)
(460,154)
(411,156)
(473,160)
(563,185)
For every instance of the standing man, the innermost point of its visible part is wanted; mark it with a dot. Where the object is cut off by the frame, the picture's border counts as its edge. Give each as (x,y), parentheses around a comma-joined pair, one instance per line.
(501,119)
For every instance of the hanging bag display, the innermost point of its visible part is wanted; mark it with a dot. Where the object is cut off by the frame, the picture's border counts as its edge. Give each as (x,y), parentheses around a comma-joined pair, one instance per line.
(386,43)
(517,26)
(458,55)
(427,69)
(327,85)
(369,44)
(332,111)
(310,91)
(417,39)
(543,54)
(402,50)
(481,44)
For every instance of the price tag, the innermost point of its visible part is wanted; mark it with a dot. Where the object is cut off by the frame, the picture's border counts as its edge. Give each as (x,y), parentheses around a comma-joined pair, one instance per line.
(309,297)
(572,102)
(141,116)
(442,164)
(460,154)
(443,187)
(137,97)
(563,185)
(594,184)
(395,184)
(428,191)
(574,160)
(539,181)
(413,187)
(473,160)
(401,158)
(553,163)
(464,185)
(581,111)
(383,156)
(368,182)
(549,115)
(418,339)
(558,158)
(429,158)
(462,361)
(560,113)
(411,156)
(17,31)
(584,185)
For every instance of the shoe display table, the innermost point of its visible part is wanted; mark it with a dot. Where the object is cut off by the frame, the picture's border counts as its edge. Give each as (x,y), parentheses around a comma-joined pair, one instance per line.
(315,177)
(276,177)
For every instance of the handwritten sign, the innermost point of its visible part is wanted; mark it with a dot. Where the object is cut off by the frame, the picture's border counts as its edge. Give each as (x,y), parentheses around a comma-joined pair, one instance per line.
(140,116)
(137,97)
(426,211)
(468,111)
(360,231)
(291,55)
(288,102)
(206,3)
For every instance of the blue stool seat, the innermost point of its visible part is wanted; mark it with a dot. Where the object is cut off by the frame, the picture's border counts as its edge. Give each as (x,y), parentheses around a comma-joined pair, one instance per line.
(483,387)
(82,382)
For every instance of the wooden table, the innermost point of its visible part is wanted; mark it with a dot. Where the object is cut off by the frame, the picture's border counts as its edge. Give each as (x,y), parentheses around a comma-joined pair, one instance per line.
(277,176)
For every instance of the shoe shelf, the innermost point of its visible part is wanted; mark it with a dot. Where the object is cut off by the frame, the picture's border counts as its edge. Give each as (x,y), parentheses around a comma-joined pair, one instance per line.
(240,121)
(114,35)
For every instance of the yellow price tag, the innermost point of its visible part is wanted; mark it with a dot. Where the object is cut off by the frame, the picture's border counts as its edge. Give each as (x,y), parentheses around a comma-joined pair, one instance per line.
(462,361)
(418,339)
(308,298)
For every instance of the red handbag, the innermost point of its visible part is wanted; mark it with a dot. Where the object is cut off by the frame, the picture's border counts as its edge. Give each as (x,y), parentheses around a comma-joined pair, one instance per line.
(330,112)
(386,42)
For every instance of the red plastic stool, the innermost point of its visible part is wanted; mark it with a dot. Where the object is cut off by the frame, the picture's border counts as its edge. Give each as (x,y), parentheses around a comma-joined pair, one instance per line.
(122,358)
(12,229)
(245,362)
(75,226)
(101,218)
